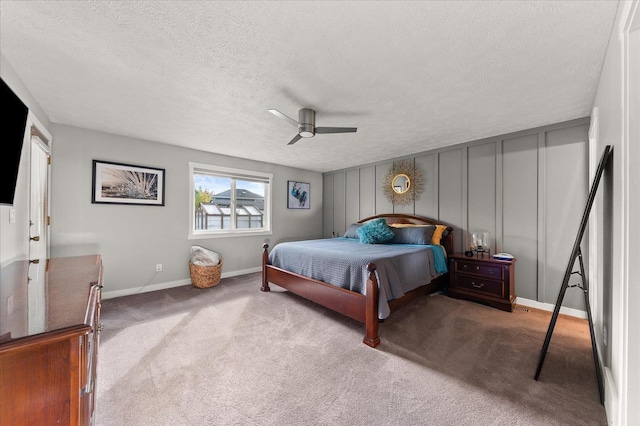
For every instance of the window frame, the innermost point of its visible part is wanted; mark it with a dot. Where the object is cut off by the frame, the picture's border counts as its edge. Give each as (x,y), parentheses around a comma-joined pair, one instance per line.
(234,174)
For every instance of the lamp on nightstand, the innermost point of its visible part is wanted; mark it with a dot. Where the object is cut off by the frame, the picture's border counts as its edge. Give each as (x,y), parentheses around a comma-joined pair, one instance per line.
(481,243)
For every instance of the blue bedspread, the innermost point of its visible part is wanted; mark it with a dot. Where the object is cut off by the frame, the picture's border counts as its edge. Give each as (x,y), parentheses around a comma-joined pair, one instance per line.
(343,262)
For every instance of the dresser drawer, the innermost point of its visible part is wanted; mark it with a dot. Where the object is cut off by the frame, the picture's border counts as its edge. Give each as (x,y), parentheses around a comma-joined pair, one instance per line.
(490,271)
(480,285)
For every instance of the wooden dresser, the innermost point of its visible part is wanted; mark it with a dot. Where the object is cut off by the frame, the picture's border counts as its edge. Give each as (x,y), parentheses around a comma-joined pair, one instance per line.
(49,335)
(485,280)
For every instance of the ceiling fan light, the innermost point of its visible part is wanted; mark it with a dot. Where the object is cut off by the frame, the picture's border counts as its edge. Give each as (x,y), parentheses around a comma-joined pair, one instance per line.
(306,130)
(307,125)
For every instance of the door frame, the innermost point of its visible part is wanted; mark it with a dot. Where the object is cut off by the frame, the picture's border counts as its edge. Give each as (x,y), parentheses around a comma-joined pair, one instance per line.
(36,129)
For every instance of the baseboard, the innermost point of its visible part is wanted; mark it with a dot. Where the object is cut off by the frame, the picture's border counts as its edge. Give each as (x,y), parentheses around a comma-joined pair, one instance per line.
(170,284)
(143,289)
(549,307)
(611,402)
(241,272)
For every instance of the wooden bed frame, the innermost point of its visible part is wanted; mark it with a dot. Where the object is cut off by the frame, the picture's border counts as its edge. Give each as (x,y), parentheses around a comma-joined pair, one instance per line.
(354,305)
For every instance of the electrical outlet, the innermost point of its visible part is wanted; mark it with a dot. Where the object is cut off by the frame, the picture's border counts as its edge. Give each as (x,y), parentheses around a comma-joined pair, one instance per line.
(159,267)
(12,215)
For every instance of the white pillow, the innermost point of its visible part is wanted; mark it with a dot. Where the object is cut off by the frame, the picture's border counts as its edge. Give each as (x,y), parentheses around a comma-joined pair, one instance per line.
(204,257)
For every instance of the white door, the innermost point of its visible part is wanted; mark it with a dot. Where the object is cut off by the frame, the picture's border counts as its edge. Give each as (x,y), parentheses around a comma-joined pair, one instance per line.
(38,232)
(39,203)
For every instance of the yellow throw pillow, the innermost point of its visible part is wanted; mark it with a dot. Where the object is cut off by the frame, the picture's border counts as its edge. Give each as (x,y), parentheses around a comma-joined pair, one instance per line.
(406,225)
(437,234)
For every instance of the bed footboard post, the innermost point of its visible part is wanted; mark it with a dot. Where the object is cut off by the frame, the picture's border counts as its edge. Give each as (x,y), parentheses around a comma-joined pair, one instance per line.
(371,308)
(265,259)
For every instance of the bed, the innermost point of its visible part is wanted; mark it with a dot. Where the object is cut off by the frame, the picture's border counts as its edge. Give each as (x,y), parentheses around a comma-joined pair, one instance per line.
(365,282)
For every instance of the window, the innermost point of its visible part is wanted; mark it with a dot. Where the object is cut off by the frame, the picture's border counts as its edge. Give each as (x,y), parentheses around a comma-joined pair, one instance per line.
(229,202)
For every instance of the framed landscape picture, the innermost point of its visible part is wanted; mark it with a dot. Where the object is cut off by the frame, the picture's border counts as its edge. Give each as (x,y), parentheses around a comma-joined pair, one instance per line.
(117,183)
(298,195)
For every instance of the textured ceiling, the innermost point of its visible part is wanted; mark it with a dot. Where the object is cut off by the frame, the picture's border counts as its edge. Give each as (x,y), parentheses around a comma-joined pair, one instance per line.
(412,76)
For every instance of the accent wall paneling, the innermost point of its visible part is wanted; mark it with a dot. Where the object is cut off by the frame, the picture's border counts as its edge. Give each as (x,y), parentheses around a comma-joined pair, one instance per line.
(367,191)
(520,209)
(339,204)
(451,194)
(522,187)
(481,190)
(382,204)
(427,203)
(327,206)
(352,197)
(565,195)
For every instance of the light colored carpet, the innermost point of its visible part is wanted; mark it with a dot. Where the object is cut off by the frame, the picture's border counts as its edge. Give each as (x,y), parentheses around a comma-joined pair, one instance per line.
(233,355)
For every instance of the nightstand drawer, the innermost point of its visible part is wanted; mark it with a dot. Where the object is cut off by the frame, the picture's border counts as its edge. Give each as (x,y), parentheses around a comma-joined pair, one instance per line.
(489,271)
(480,285)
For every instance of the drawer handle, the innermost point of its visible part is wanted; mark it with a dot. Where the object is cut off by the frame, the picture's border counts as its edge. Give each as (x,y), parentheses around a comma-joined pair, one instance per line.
(464,266)
(477,268)
(473,283)
(87,389)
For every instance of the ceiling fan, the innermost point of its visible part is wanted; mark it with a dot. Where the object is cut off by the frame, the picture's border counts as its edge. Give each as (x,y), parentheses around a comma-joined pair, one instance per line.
(307,125)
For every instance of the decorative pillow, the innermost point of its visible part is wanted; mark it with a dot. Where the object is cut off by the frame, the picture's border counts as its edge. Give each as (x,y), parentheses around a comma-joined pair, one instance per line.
(413,234)
(352,230)
(437,234)
(375,232)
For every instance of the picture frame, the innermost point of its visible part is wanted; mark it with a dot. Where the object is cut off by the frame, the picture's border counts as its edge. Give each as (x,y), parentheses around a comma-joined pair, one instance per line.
(298,195)
(119,183)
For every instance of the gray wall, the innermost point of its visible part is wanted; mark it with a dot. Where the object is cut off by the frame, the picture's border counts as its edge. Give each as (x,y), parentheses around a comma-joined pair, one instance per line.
(133,239)
(528,189)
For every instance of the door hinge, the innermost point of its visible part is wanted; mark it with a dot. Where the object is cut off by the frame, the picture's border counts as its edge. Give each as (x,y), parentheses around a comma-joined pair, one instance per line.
(49,160)
(48,220)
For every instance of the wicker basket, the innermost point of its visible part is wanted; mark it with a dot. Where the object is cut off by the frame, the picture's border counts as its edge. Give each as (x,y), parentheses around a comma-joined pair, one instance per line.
(205,276)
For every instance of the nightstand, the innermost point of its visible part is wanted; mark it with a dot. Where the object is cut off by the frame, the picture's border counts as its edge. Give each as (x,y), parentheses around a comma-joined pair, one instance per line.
(485,280)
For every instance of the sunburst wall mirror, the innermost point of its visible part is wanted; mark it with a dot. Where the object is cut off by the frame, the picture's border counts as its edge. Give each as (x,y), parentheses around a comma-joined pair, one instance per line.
(402,184)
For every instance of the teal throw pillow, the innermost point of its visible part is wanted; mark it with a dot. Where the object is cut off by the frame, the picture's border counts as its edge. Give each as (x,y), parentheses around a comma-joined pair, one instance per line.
(375,232)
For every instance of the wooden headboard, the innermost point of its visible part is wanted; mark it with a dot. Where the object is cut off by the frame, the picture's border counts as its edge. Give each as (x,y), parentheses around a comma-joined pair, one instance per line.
(447,236)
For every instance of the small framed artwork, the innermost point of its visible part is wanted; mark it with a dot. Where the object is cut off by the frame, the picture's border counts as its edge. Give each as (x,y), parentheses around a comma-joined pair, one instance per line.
(117,183)
(298,195)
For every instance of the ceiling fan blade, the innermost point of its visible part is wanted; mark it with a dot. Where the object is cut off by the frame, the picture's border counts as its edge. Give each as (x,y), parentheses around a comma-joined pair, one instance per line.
(322,130)
(295,139)
(281,115)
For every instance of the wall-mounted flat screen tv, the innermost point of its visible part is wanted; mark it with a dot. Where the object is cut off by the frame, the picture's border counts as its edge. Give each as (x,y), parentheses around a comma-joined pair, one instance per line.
(14,121)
